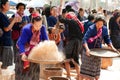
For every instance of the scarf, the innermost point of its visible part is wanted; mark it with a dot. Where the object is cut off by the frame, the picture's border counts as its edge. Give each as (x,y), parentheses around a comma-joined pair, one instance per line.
(73,16)
(99,33)
(35,38)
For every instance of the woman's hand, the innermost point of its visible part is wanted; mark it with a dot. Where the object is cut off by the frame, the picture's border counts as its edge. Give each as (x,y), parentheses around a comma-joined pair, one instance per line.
(87,49)
(88,52)
(24,57)
(17,19)
(111,46)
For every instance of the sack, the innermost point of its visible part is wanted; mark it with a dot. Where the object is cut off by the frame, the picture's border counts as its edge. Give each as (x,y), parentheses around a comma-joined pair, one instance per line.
(15,34)
(1,32)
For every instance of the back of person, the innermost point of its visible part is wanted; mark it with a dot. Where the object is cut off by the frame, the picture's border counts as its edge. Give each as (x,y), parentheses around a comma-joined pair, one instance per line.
(90,21)
(74,30)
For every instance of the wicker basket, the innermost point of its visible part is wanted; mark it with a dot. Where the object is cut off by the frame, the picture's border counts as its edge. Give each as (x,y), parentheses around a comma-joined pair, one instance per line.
(57,78)
(55,71)
(42,68)
(106,62)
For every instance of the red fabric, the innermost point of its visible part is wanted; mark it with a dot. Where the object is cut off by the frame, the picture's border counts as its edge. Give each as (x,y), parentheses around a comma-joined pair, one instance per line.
(72,16)
(34,41)
(15,34)
(26,63)
(35,15)
(99,33)
(35,38)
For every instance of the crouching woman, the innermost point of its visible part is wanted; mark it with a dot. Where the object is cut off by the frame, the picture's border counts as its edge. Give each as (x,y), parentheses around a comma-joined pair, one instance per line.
(31,35)
(90,67)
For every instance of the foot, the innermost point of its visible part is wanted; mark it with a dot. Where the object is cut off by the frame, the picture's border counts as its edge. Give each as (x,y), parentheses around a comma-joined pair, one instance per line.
(77,77)
(69,77)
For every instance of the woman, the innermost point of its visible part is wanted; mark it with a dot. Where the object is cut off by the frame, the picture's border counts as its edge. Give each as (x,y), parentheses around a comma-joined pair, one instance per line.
(52,19)
(74,43)
(31,35)
(6,48)
(18,26)
(90,67)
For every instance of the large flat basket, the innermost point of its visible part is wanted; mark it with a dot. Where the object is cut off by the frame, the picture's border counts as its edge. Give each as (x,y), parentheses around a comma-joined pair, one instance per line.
(101,52)
(44,61)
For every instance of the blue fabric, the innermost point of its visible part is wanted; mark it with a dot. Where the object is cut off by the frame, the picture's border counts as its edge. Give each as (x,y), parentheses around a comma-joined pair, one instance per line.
(87,25)
(6,39)
(51,20)
(27,34)
(92,31)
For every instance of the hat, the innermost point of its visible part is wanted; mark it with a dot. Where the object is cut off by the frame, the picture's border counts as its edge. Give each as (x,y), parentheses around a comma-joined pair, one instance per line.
(35,14)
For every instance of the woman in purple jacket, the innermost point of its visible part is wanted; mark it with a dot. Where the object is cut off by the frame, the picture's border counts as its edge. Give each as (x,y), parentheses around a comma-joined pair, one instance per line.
(30,36)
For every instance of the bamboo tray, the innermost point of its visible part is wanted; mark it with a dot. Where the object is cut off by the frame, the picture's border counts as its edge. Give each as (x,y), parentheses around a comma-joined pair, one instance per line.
(101,52)
(44,61)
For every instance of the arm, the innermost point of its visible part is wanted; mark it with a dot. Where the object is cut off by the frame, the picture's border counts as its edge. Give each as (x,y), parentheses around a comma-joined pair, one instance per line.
(87,49)
(22,41)
(85,38)
(13,21)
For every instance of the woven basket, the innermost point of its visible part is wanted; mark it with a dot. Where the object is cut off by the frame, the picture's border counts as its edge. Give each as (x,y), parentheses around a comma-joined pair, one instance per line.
(106,62)
(57,78)
(55,71)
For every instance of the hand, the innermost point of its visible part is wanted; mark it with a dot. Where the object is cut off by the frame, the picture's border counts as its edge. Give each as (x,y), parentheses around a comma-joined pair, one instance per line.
(24,57)
(115,50)
(91,40)
(88,52)
(17,19)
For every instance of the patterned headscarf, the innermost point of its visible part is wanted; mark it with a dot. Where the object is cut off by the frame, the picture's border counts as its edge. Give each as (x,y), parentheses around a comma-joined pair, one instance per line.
(72,15)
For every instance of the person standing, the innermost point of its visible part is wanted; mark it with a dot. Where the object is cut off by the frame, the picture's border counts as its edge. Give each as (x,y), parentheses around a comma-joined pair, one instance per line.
(114,27)
(91,19)
(74,43)
(81,16)
(52,19)
(18,26)
(6,47)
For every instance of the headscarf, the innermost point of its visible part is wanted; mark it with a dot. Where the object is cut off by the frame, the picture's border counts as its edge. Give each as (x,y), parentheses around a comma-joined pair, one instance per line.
(72,15)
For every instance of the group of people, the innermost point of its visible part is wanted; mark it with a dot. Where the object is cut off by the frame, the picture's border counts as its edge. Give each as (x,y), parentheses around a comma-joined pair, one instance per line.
(74,35)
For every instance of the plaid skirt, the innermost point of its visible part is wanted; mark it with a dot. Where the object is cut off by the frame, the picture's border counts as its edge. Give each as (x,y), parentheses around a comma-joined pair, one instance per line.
(73,49)
(6,55)
(31,73)
(90,65)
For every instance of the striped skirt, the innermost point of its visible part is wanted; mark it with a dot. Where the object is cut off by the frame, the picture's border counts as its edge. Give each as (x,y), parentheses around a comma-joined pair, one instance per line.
(6,56)
(90,65)
(31,73)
